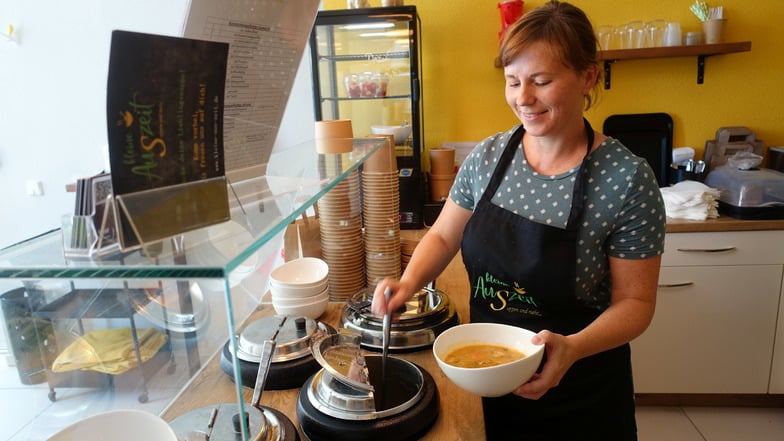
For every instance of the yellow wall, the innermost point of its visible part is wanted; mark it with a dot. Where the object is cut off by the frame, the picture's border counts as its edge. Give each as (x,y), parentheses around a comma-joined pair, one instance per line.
(463,91)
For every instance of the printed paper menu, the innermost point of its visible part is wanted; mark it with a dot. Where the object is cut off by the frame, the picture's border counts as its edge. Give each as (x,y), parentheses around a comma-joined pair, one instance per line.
(267,39)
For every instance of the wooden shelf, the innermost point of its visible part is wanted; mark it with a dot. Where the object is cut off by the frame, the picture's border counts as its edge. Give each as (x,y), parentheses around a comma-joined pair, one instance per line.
(701,51)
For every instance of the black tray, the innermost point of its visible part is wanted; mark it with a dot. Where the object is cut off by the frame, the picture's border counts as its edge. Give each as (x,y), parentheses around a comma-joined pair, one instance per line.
(751,213)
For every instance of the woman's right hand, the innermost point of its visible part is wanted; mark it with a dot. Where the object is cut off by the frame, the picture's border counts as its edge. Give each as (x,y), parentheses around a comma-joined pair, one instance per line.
(400,294)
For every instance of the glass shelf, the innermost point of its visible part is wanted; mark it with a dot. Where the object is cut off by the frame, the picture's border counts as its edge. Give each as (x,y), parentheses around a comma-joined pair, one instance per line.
(262,206)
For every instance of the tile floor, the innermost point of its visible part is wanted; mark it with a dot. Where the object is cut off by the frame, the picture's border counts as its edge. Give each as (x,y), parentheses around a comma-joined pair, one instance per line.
(28,415)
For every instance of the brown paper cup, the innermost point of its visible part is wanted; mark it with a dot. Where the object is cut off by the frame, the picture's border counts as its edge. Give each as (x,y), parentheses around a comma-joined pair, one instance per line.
(440,186)
(442,161)
(334,136)
(383,160)
(713,30)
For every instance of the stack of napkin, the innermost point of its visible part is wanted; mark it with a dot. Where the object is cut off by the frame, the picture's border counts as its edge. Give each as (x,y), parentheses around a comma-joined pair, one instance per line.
(690,200)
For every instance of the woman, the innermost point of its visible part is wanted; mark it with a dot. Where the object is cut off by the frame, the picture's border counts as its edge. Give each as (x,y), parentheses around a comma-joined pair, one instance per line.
(561,231)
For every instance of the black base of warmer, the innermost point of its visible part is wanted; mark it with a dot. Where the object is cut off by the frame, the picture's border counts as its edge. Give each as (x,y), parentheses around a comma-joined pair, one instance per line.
(282,375)
(410,424)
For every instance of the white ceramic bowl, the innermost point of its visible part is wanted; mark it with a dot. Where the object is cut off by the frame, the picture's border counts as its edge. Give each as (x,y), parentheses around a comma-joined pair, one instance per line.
(118,425)
(286,291)
(311,310)
(492,381)
(296,301)
(307,272)
(400,133)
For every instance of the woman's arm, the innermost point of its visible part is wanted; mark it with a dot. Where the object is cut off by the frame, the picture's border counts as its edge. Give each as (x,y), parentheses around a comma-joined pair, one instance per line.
(432,254)
(632,305)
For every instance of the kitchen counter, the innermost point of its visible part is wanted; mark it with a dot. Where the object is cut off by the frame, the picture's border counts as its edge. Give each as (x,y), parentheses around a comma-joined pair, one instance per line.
(723,223)
(460,415)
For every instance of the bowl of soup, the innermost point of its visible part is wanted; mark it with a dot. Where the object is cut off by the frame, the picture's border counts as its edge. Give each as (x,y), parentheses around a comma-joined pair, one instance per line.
(488,359)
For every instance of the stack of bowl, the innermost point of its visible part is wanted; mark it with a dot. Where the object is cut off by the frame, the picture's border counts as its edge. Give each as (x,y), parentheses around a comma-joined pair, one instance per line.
(300,287)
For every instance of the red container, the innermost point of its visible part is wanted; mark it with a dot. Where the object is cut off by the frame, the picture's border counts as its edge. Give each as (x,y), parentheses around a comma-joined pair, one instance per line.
(511,10)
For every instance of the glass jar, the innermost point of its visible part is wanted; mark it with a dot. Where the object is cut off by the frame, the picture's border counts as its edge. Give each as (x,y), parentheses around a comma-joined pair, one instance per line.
(351,81)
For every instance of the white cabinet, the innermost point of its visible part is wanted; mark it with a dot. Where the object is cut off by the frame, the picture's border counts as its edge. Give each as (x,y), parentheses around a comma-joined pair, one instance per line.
(716,314)
(777,368)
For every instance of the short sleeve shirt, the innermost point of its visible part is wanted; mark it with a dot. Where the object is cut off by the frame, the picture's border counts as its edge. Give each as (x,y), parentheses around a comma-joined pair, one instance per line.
(624,213)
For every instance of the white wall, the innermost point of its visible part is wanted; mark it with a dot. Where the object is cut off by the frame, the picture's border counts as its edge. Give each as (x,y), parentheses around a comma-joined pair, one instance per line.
(52,99)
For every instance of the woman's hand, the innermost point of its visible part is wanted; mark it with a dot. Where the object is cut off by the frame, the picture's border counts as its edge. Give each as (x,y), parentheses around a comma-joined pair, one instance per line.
(400,294)
(560,357)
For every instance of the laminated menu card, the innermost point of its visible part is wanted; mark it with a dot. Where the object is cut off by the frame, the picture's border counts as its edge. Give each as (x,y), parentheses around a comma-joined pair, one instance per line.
(165,103)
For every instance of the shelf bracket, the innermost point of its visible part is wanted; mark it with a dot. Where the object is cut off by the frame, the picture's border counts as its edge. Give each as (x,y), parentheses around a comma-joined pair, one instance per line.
(700,68)
(607,64)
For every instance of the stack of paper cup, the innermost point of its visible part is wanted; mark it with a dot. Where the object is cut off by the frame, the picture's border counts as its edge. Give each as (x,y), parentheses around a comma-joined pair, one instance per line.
(442,172)
(381,215)
(340,212)
(340,225)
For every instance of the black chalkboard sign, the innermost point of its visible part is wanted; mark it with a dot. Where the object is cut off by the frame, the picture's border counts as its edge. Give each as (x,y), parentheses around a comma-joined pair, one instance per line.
(165,101)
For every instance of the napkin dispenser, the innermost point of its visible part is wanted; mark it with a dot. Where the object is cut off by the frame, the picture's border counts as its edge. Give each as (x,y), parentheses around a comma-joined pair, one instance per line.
(757,193)
(728,142)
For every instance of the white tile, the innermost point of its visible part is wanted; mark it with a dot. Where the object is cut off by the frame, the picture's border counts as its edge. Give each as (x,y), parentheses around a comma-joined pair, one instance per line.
(18,408)
(9,378)
(738,423)
(670,423)
(74,404)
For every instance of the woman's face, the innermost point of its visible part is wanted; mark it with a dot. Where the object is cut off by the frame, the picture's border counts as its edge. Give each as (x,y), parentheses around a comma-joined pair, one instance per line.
(545,94)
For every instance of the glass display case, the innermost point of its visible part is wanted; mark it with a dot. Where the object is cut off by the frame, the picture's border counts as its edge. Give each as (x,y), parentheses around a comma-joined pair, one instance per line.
(366,68)
(166,309)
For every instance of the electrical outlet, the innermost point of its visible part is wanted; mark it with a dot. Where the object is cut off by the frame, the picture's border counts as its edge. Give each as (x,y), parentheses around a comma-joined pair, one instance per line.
(34,187)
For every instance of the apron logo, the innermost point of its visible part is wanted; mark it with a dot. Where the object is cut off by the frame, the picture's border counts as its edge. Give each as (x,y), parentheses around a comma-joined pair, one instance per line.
(501,296)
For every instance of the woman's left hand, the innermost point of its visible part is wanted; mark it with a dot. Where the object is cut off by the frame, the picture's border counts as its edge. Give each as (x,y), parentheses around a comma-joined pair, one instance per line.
(560,357)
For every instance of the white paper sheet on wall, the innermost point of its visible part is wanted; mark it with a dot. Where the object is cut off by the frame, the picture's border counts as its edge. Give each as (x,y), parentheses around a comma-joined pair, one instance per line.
(266,41)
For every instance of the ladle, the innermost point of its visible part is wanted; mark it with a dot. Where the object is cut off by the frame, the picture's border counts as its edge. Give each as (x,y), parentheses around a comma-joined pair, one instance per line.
(386,329)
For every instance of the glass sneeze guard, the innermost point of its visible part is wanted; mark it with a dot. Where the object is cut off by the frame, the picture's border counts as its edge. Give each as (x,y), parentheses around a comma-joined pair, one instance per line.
(198,288)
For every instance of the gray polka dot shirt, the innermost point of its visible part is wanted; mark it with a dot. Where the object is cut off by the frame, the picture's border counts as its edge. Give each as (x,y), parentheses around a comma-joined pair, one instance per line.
(624,213)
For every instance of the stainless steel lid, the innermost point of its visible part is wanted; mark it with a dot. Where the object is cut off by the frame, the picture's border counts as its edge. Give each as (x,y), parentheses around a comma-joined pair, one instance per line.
(293,340)
(417,324)
(266,424)
(350,384)
(341,356)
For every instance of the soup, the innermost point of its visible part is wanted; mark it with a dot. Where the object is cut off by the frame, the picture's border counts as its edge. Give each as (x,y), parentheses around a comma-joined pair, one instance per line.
(482,355)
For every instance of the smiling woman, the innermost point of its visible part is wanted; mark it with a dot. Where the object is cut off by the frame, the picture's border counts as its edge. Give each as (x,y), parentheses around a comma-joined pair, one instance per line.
(560,230)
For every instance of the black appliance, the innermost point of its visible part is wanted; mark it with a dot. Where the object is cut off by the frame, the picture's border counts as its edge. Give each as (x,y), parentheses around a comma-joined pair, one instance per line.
(366,68)
(648,135)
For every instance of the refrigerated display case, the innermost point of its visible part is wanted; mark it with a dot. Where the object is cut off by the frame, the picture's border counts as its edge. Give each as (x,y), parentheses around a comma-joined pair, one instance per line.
(366,68)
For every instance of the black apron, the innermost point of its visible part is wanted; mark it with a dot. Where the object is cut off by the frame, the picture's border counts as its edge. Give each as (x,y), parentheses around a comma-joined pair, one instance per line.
(522,273)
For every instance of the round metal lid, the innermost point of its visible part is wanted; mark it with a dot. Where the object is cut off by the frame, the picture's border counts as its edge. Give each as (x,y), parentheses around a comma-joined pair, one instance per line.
(340,355)
(293,340)
(428,313)
(217,423)
(393,395)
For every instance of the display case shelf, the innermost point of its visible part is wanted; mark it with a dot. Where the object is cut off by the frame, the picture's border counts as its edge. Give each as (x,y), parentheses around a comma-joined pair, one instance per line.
(206,282)
(388,97)
(371,56)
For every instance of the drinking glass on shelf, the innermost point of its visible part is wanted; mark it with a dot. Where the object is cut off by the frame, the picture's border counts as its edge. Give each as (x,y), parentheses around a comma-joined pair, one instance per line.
(604,35)
(672,36)
(619,37)
(655,30)
(635,34)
